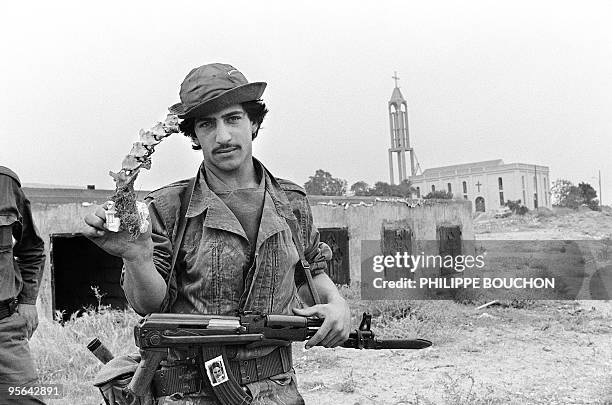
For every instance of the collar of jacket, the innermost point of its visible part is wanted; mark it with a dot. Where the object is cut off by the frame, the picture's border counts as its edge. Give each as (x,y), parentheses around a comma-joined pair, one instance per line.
(203,197)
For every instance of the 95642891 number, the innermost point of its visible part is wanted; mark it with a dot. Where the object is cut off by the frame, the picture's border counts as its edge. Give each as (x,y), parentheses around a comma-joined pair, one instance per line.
(48,391)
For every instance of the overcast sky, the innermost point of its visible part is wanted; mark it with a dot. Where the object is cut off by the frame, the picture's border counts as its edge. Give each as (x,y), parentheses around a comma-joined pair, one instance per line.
(522,81)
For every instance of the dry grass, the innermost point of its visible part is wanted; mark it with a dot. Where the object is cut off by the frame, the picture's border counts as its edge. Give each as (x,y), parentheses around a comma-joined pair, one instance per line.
(61,355)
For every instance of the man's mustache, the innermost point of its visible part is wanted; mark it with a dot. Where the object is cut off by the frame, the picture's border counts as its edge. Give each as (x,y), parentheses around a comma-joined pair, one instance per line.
(225,147)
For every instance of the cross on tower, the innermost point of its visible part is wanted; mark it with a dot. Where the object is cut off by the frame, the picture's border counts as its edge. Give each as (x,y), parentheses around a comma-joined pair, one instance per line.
(478,185)
(394,77)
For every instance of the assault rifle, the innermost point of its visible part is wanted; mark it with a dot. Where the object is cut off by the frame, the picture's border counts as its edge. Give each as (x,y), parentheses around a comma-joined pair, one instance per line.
(156,333)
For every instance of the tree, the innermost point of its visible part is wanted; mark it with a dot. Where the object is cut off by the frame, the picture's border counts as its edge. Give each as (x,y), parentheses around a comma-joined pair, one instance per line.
(560,191)
(405,188)
(361,188)
(589,196)
(565,194)
(322,183)
(439,194)
(382,189)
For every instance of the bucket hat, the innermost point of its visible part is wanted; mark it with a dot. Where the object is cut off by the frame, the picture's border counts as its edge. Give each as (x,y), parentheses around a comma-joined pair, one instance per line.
(212,87)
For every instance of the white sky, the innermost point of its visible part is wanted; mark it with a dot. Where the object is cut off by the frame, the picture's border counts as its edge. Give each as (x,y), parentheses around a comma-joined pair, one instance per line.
(523,81)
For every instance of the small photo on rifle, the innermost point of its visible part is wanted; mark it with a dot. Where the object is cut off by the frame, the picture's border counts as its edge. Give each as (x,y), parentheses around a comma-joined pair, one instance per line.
(215,368)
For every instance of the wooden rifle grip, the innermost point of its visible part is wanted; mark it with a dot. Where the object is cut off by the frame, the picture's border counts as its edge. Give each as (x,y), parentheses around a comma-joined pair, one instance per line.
(141,381)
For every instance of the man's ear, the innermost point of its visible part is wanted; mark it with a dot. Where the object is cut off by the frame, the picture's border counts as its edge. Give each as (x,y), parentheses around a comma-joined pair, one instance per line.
(254,129)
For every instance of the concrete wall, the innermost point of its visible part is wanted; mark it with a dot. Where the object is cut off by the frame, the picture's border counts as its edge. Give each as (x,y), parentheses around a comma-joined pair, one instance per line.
(366,222)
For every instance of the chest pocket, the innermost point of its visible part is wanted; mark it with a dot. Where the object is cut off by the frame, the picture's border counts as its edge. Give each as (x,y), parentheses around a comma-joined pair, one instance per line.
(274,288)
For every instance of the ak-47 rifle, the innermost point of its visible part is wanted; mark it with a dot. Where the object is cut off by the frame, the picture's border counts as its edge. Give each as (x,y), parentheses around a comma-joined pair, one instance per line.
(156,333)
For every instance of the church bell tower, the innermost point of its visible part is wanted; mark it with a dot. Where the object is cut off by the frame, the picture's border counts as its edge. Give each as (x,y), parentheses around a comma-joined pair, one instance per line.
(400,140)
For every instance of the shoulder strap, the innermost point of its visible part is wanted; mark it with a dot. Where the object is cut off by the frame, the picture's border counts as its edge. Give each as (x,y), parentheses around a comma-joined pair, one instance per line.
(303,263)
(178,240)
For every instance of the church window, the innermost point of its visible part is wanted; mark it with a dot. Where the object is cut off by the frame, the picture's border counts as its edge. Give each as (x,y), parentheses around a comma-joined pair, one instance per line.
(523,184)
(433,188)
(500,183)
(418,191)
(524,196)
(450,189)
(501,198)
(465,187)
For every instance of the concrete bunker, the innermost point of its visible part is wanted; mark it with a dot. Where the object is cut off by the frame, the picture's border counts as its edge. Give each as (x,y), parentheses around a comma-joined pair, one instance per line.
(77,265)
(412,226)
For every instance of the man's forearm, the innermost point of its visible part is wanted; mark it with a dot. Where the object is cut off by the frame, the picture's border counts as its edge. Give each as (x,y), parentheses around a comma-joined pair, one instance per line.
(30,257)
(325,287)
(143,285)
(31,266)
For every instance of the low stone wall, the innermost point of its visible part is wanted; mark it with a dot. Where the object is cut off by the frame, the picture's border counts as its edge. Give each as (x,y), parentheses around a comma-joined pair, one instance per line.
(366,219)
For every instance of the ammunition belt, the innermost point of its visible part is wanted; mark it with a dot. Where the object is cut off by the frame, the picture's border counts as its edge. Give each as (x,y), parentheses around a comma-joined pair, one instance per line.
(187,379)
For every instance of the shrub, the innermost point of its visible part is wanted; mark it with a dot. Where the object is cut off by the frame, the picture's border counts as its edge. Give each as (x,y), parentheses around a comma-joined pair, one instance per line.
(439,194)
(516,207)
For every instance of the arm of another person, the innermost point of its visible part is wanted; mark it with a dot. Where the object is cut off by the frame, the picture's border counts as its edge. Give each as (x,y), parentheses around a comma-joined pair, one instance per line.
(29,253)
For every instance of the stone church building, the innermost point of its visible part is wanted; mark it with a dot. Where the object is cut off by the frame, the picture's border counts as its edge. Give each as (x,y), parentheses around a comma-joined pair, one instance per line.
(488,184)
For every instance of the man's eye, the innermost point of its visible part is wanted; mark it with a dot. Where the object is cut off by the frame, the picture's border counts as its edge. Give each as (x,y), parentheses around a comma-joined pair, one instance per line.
(205,124)
(234,118)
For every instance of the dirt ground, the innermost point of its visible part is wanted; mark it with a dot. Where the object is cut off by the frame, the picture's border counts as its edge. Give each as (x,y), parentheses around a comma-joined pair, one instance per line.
(552,352)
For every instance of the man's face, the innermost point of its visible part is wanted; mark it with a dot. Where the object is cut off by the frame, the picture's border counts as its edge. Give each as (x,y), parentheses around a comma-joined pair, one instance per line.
(217,373)
(226,138)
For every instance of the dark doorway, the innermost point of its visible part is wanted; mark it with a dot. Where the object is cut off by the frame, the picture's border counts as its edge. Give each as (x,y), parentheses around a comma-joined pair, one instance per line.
(480,204)
(449,239)
(396,238)
(338,268)
(77,265)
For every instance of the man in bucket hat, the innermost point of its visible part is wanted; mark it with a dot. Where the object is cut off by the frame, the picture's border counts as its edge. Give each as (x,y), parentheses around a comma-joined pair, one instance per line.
(237,252)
